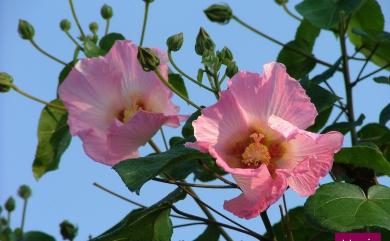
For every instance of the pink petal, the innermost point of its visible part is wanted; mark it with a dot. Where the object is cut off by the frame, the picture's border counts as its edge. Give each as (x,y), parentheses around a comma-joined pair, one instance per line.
(96,147)
(90,93)
(123,140)
(258,193)
(220,123)
(314,153)
(123,55)
(273,93)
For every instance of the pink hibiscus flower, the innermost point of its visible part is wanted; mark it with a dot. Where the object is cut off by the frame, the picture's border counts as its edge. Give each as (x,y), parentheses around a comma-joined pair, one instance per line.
(256,133)
(114,106)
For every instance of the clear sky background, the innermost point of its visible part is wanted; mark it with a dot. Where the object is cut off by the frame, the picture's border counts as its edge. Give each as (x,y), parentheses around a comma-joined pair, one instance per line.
(68,193)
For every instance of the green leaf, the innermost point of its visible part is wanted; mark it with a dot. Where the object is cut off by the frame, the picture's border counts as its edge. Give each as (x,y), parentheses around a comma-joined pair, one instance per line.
(363,156)
(301,228)
(384,116)
(53,139)
(322,98)
(91,49)
(297,64)
(382,80)
(136,172)
(326,13)
(188,129)
(145,224)
(374,132)
(37,236)
(177,82)
(345,127)
(65,71)
(210,234)
(109,40)
(366,28)
(344,207)
(327,74)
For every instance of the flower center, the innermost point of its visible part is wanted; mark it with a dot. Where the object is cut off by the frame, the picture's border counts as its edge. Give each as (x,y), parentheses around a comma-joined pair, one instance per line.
(256,153)
(126,114)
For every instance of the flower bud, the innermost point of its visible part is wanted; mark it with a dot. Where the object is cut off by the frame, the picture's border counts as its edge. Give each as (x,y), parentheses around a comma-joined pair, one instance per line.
(26,30)
(231,69)
(175,42)
(18,233)
(147,59)
(65,25)
(106,12)
(220,13)
(203,42)
(10,204)
(94,27)
(225,56)
(68,230)
(5,82)
(281,2)
(148,1)
(24,192)
(3,222)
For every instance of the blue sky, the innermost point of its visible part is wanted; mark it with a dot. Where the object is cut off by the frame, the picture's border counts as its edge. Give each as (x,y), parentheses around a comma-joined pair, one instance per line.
(68,193)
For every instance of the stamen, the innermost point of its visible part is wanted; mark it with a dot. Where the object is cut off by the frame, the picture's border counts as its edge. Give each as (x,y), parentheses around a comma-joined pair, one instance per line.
(256,153)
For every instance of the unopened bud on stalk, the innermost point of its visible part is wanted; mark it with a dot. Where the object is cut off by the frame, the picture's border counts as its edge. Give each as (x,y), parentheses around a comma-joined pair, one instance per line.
(203,42)
(106,12)
(65,25)
(148,1)
(219,13)
(281,2)
(10,204)
(225,55)
(175,42)
(5,82)
(148,59)
(231,69)
(26,30)
(24,192)
(68,230)
(94,27)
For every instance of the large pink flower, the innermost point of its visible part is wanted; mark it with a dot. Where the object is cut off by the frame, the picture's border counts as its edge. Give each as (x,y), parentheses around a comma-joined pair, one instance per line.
(256,133)
(114,106)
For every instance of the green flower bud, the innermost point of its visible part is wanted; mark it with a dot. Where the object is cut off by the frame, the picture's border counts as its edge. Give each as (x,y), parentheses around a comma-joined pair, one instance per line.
(106,12)
(65,25)
(10,204)
(281,2)
(24,192)
(225,56)
(220,13)
(175,42)
(203,42)
(231,69)
(148,1)
(68,230)
(5,82)
(148,59)
(26,30)
(94,27)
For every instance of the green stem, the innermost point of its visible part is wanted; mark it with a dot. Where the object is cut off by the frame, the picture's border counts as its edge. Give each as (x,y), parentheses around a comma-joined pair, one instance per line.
(76,19)
(154,146)
(73,40)
(146,13)
(164,139)
(46,53)
(165,82)
(188,224)
(186,75)
(284,5)
(347,82)
(280,43)
(186,184)
(107,27)
(268,225)
(14,87)
(374,72)
(9,219)
(364,65)
(24,214)
(290,236)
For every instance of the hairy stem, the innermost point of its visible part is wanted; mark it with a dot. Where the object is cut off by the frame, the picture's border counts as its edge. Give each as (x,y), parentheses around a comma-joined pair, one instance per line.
(76,19)
(146,13)
(36,46)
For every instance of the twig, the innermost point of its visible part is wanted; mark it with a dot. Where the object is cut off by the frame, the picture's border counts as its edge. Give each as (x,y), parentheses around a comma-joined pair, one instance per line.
(268,225)
(76,19)
(146,13)
(46,53)
(364,65)
(164,139)
(284,5)
(191,184)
